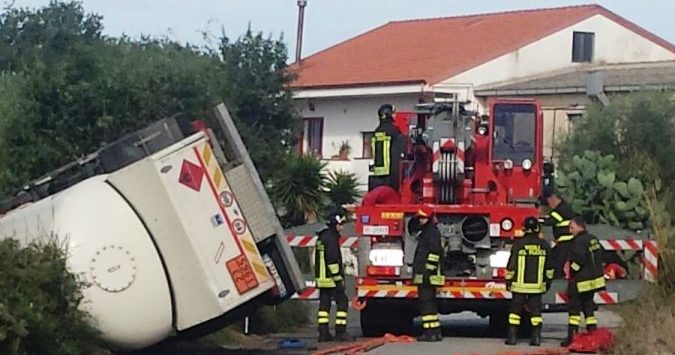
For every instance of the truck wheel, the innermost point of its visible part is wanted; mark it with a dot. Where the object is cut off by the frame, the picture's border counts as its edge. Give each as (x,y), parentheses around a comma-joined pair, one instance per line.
(378,319)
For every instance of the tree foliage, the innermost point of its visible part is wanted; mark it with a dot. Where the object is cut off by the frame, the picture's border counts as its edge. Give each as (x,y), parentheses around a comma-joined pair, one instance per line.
(65,90)
(638,129)
(39,302)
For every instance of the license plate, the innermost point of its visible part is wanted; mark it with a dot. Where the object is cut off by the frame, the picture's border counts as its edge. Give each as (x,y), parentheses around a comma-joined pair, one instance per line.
(375,230)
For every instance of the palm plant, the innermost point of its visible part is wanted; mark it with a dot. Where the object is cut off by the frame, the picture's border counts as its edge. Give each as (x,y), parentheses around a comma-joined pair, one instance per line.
(297,188)
(342,187)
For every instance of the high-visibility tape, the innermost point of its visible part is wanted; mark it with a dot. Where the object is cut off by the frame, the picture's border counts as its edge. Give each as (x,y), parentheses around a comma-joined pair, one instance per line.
(232,213)
(651,261)
(306,241)
(621,244)
(602,297)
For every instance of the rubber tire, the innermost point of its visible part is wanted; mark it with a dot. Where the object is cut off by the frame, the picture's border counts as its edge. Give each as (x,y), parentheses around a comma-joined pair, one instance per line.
(378,319)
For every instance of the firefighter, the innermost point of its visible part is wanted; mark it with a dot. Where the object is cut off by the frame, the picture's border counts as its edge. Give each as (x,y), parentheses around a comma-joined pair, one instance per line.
(330,279)
(528,275)
(587,279)
(388,145)
(427,271)
(559,218)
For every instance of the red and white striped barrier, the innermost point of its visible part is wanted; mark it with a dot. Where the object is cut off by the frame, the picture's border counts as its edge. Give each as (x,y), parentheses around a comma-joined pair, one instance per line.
(622,244)
(310,293)
(602,297)
(452,293)
(304,241)
(650,261)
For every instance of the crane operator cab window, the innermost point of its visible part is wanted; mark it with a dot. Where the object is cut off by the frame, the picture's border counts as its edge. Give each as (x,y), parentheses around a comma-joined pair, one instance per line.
(514,132)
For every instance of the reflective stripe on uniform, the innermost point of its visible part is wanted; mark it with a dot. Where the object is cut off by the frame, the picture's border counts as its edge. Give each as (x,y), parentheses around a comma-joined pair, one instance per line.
(433,257)
(557,216)
(574,320)
(429,317)
(514,319)
(437,280)
(322,317)
(323,281)
(563,223)
(431,325)
(550,273)
(334,268)
(590,285)
(536,321)
(381,138)
(591,320)
(564,238)
(431,267)
(575,266)
(340,321)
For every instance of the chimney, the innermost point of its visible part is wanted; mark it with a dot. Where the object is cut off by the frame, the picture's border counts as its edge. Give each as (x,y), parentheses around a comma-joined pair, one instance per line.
(301,23)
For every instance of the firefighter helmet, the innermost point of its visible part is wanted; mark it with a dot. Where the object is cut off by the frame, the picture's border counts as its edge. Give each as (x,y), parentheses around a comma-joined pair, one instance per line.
(425,212)
(386,112)
(531,225)
(335,218)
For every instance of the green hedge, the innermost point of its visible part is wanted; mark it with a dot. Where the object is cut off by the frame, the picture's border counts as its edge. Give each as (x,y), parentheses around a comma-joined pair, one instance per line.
(39,301)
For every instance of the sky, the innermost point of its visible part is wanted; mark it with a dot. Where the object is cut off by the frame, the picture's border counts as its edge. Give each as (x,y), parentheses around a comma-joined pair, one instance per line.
(327,22)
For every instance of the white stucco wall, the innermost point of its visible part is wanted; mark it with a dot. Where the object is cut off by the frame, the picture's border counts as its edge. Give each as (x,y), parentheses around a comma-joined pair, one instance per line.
(613,44)
(345,119)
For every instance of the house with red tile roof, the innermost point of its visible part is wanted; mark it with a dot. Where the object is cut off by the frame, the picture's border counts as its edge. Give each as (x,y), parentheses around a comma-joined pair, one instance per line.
(339,89)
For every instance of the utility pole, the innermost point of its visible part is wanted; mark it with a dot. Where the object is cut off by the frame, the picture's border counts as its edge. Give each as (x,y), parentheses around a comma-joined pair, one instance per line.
(301,22)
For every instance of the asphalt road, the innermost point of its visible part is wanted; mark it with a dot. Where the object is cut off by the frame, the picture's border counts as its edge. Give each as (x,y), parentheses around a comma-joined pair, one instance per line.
(464,333)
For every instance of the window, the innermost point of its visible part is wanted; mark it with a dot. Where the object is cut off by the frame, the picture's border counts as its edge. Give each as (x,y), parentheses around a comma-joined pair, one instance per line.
(582,47)
(367,148)
(312,138)
(514,132)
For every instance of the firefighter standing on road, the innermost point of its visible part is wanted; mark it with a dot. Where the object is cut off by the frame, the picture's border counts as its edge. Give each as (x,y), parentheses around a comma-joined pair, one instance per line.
(587,278)
(560,217)
(427,271)
(330,279)
(528,275)
(387,146)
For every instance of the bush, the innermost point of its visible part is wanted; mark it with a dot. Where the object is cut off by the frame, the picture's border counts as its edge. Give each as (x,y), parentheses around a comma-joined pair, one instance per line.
(342,187)
(589,182)
(285,317)
(39,300)
(297,189)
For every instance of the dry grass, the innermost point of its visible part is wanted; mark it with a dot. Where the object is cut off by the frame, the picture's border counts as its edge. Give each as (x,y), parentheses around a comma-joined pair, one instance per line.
(649,325)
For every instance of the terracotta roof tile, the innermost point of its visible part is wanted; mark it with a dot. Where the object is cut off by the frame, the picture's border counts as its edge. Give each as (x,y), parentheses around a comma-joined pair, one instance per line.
(432,50)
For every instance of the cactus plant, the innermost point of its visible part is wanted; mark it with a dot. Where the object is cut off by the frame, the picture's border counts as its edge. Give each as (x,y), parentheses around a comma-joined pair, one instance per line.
(591,185)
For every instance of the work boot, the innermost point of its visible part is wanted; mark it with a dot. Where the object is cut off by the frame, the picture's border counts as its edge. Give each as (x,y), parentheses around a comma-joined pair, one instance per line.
(342,335)
(430,336)
(512,335)
(591,328)
(536,336)
(572,330)
(324,334)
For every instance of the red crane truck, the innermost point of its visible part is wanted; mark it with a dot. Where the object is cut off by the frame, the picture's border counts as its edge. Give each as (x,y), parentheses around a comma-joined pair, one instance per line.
(482,175)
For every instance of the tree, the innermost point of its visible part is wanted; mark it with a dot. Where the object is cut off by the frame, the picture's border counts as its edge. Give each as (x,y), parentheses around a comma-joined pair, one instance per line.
(65,90)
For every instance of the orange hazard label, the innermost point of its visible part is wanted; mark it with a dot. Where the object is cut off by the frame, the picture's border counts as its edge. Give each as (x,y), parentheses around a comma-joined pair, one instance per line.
(242,274)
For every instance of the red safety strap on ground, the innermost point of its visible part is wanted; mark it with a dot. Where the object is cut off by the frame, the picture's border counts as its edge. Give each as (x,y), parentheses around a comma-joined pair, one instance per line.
(365,346)
(549,351)
(599,340)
